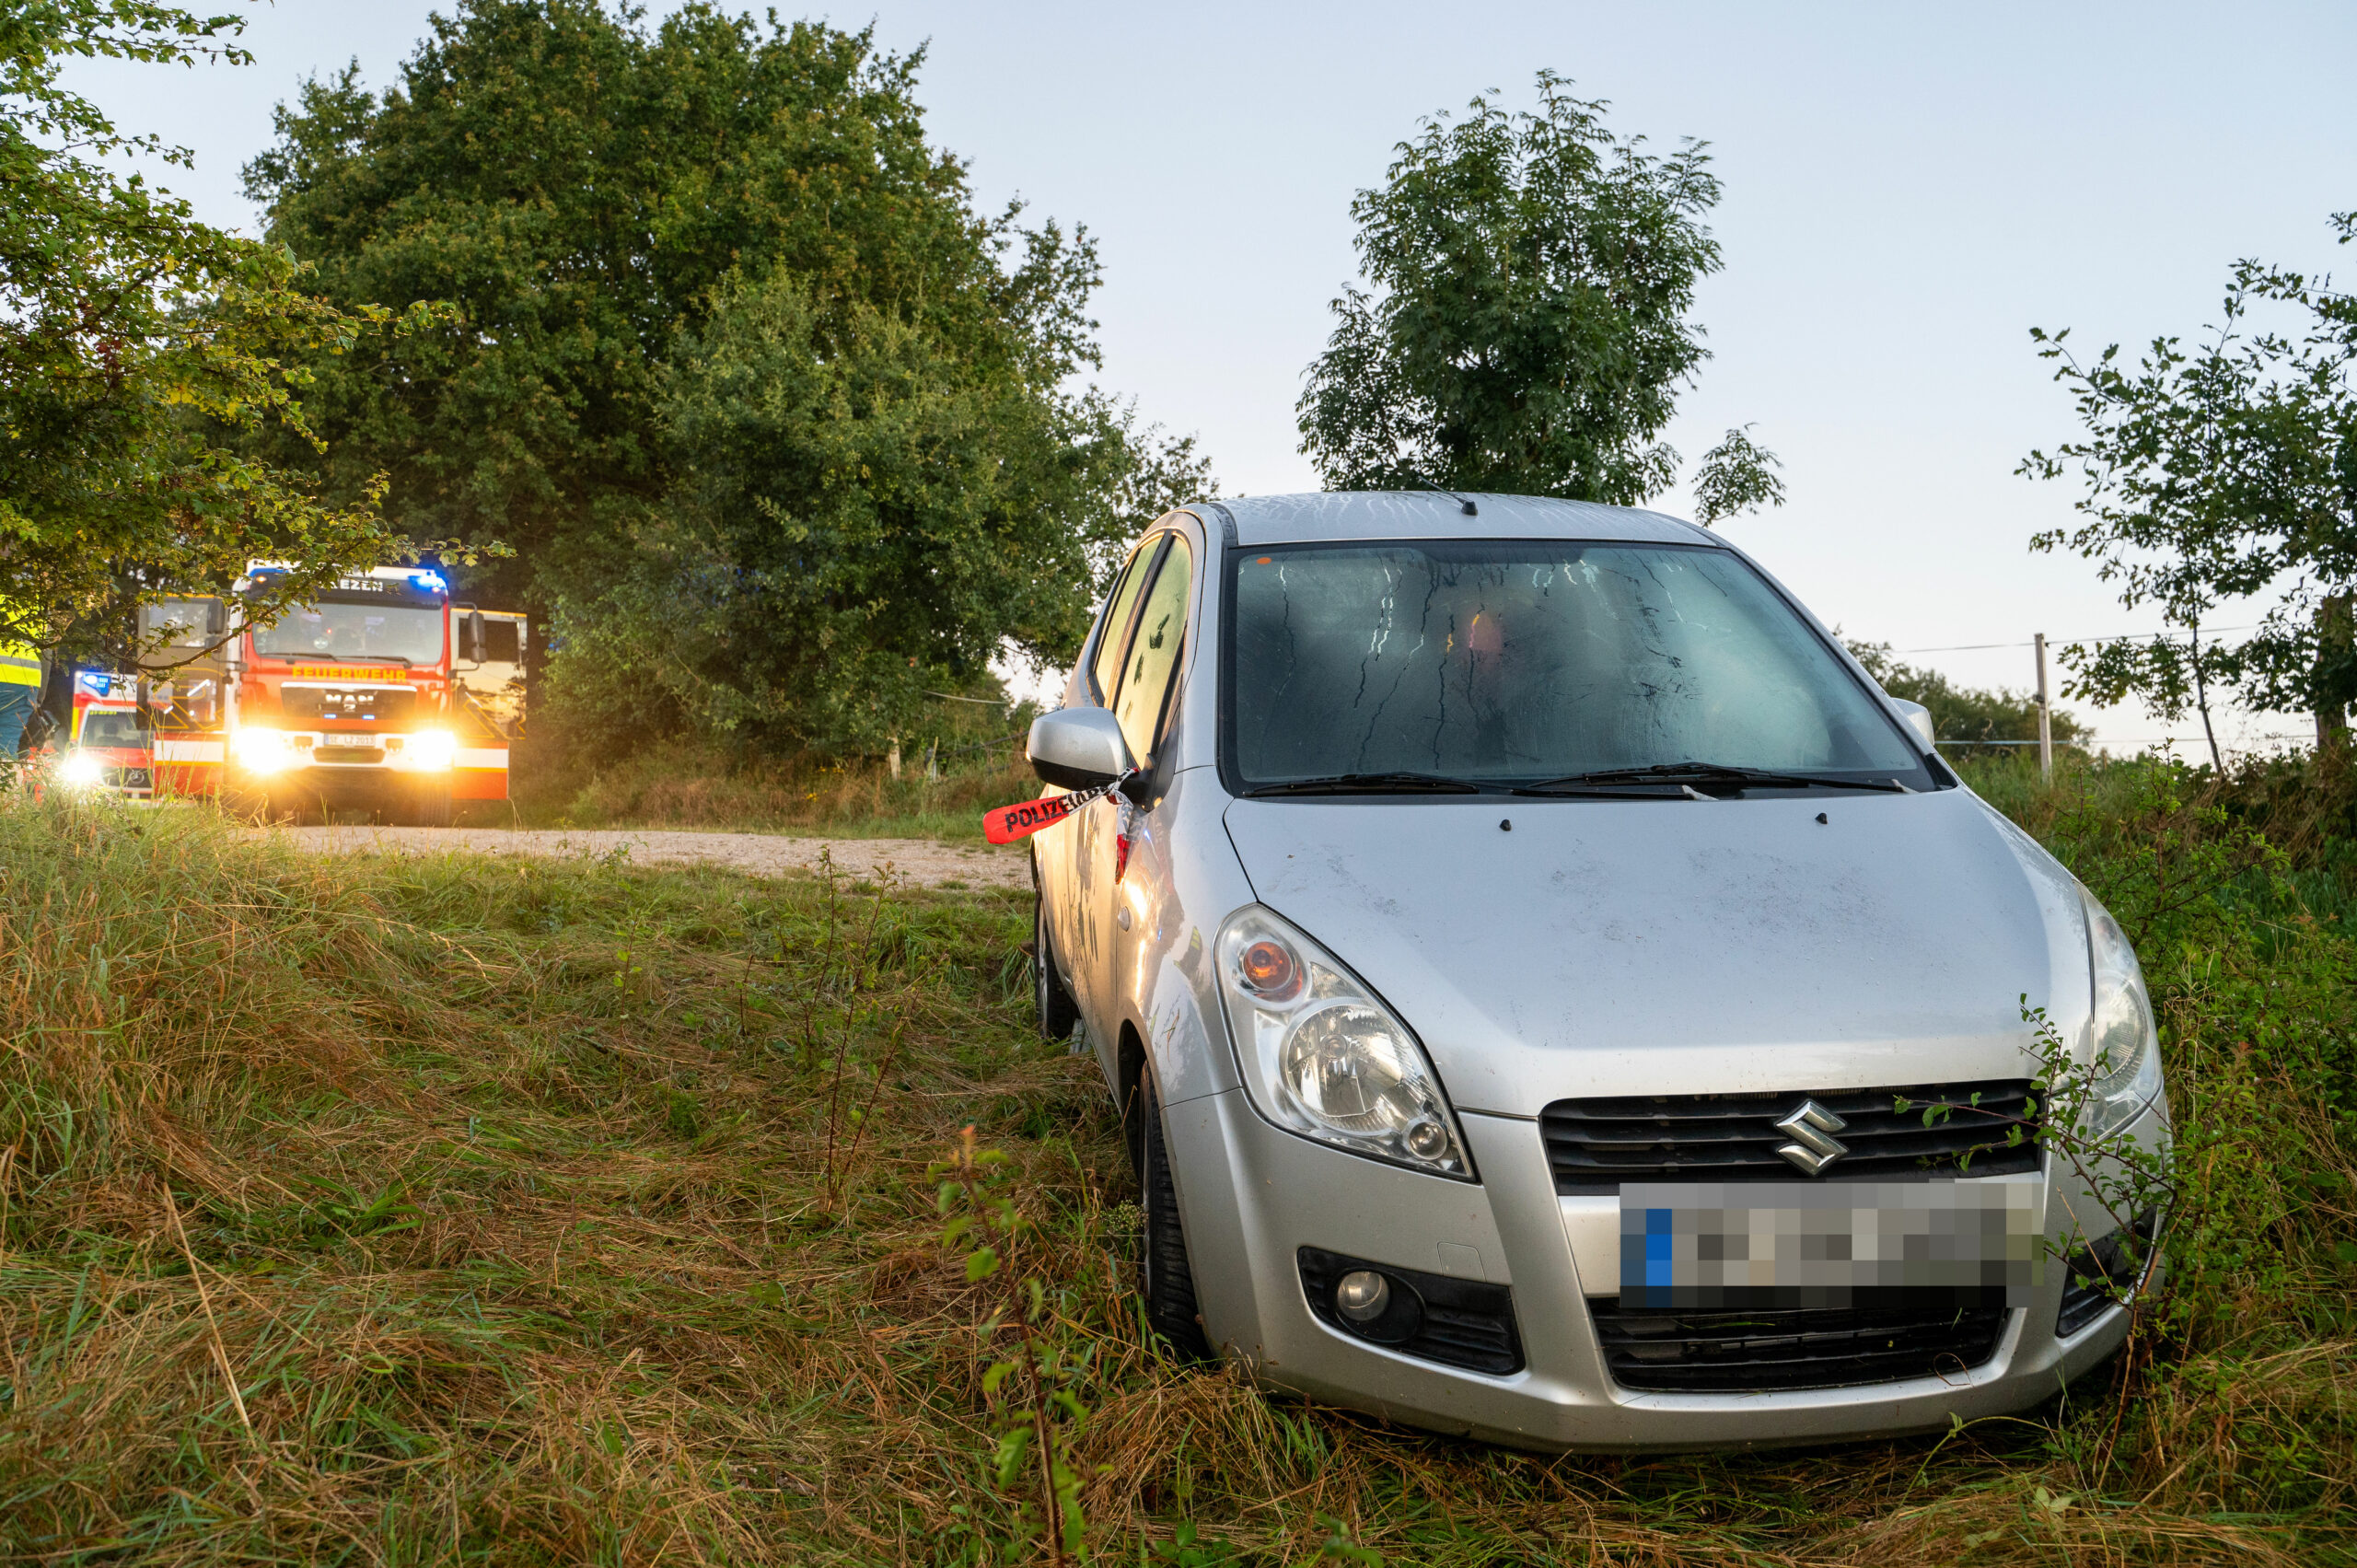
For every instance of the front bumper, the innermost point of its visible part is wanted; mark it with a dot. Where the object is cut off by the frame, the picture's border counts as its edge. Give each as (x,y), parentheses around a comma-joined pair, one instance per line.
(317,754)
(340,767)
(348,768)
(1252,1197)
(120,776)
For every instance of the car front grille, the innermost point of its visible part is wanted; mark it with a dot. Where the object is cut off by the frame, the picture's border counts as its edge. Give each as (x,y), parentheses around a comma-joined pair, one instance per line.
(393,706)
(1697,1353)
(1593,1145)
(136,780)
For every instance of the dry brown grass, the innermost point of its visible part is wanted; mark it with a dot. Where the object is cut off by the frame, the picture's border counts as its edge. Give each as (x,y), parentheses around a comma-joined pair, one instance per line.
(527,1204)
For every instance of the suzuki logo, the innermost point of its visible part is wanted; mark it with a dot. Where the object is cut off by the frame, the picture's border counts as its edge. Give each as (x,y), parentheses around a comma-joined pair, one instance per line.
(1811,1128)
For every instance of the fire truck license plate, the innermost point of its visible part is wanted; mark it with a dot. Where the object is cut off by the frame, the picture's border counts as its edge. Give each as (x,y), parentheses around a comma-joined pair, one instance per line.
(347,741)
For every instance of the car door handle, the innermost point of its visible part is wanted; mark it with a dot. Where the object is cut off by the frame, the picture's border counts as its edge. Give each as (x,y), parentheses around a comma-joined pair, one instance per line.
(1121,916)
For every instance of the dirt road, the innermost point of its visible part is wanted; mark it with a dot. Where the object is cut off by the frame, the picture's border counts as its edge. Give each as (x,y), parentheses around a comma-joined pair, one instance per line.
(918,861)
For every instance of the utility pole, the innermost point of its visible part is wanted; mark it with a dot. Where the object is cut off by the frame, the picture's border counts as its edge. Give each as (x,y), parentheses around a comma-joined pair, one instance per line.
(2201,696)
(2045,716)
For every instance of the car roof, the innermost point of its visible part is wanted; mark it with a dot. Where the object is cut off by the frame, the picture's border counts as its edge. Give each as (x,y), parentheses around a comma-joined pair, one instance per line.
(1417,513)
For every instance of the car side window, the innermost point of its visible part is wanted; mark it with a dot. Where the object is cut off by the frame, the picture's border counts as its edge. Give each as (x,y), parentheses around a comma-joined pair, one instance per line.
(1153,655)
(1112,636)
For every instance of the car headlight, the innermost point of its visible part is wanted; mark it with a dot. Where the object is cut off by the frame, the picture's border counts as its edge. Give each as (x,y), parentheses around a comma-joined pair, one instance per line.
(263,750)
(80,770)
(432,749)
(1323,1057)
(2124,1068)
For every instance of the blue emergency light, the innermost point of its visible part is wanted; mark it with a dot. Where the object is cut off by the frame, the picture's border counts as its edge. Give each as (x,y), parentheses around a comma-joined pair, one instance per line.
(430,581)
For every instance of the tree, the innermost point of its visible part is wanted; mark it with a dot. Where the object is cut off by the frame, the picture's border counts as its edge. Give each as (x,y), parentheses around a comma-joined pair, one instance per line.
(1525,327)
(732,353)
(1738,475)
(2219,474)
(863,514)
(135,344)
(1969,714)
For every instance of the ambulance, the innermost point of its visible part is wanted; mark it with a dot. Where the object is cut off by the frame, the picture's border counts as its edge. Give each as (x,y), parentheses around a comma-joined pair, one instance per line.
(106,747)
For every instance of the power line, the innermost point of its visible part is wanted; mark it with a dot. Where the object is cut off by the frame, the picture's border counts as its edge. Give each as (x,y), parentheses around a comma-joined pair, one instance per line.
(2066,641)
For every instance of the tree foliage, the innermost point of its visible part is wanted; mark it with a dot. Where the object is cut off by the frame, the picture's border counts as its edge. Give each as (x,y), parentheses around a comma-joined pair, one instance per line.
(1525,327)
(2222,473)
(861,516)
(1738,475)
(779,426)
(135,344)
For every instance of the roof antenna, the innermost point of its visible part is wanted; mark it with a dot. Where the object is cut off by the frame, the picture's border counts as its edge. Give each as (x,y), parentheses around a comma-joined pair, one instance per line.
(1470,510)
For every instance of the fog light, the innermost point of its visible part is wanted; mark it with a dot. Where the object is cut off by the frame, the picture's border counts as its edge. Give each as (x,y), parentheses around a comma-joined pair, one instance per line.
(1362,1295)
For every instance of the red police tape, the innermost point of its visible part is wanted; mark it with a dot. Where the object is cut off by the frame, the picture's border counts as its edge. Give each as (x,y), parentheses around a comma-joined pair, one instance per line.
(1004,824)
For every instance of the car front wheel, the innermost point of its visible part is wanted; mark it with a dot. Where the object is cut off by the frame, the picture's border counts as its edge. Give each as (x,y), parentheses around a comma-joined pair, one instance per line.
(1168,1283)
(1058,1013)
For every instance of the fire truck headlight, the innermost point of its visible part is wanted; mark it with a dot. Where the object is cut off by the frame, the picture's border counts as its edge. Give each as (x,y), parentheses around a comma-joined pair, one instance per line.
(80,770)
(263,750)
(430,750)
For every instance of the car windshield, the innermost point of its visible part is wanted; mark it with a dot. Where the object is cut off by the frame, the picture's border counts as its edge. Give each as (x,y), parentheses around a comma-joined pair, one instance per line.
(355,632)
(1520,661)
(111,727)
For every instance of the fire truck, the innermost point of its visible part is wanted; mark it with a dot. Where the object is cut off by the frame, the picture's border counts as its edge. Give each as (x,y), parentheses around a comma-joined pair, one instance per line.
(382,695)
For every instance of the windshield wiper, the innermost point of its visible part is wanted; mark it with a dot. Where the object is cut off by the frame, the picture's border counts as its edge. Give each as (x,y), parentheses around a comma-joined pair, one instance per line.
(1707,772)
(1371,783)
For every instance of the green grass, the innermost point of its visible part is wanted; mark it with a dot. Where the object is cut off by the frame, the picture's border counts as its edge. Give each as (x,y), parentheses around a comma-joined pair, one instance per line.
(702,791)
(687,787)
(574,1212)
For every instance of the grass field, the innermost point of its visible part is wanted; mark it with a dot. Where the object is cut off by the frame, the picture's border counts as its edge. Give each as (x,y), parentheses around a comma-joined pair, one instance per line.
(420,1210)
(978,764)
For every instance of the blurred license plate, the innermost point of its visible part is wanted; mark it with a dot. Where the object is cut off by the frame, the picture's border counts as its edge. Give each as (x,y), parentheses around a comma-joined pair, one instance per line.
(1697,1245)
(347,741)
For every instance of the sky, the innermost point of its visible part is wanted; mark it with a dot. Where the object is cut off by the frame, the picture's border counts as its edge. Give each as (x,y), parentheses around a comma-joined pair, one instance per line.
(1907,191)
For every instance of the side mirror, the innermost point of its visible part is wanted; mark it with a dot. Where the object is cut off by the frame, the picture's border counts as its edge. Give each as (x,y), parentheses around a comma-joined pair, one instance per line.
(1919,719)
(216,619)
(1078,747)
(468,628)
(476,637)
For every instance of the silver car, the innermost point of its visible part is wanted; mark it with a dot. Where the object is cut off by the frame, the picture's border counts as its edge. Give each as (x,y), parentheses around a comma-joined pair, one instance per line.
(1554,994)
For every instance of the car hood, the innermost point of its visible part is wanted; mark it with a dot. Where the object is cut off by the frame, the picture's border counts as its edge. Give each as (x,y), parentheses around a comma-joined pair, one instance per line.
(1617,947)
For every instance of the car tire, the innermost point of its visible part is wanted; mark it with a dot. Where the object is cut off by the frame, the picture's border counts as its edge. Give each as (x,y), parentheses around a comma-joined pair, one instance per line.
(1165,1278)
(431,809)
(1057,1012)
